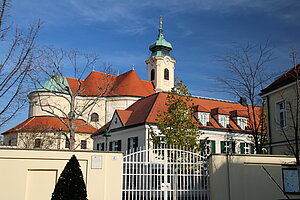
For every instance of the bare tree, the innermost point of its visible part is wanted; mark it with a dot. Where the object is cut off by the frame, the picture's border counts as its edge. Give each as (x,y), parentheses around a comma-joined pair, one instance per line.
(69,103)
(18,53)
(246,77)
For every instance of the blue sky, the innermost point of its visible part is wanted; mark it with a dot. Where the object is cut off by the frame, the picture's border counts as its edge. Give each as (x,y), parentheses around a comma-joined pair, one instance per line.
(120,31)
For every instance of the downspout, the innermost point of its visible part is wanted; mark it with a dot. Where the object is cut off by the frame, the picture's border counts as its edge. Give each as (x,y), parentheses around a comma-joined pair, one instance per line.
(268,124)
(228,177)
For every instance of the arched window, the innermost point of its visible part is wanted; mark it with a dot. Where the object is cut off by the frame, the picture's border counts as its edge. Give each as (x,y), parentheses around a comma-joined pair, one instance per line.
(166,74)
(94,117)
(152,74)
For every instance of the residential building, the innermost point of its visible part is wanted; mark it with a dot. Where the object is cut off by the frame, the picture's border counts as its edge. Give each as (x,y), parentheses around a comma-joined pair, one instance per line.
(222,123)
(282,97)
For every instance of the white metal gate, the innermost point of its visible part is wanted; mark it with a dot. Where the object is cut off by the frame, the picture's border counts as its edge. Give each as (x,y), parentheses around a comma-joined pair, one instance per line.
(166,174)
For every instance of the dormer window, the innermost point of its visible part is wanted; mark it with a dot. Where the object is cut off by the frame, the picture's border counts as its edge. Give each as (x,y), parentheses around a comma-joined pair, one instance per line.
(240,118)
(94,117)
(223,120)
(203,117)
(242,122)
(221,116)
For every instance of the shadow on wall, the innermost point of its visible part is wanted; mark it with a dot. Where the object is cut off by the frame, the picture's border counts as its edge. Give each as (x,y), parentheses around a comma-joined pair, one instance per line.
(247,177)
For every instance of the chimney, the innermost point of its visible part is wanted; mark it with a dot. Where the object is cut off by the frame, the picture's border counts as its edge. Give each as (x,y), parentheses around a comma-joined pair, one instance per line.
(243,101)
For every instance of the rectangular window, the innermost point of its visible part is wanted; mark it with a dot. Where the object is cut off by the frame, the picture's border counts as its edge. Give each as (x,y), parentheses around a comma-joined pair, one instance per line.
(203,118)
(83,144)
(227,147)
(100,146)
(246,148)
(37,143)
(132,144)
(210,147)
(281,114)
(67,143)
(242,123)
(223,121)
(115,145)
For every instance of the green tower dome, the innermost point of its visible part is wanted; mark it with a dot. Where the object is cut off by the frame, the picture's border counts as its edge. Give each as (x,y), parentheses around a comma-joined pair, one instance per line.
(160,47)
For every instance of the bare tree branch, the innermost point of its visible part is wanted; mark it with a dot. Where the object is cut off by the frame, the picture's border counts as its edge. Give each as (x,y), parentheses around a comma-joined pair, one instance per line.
(245,75)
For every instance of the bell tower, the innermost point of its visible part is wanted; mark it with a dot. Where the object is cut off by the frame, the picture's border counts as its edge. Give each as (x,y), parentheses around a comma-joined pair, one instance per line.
(160,65)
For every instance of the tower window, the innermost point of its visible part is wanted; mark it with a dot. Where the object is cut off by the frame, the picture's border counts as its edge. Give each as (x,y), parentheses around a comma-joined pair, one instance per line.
(166,74)
(152,74)
(94,117)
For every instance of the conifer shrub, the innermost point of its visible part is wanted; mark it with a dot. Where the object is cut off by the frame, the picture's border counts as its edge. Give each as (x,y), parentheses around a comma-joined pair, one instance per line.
(70,185)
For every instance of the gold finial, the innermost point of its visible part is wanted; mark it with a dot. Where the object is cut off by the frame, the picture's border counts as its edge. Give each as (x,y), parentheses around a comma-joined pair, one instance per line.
(160,22)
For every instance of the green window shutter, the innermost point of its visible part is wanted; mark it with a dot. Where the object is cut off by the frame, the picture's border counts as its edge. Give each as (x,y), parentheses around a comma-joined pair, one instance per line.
(233,147)
(119,145)
(252,149)
(110,146)
(128,145)
(135,143)
(222,147)
(213,146)
(242,145)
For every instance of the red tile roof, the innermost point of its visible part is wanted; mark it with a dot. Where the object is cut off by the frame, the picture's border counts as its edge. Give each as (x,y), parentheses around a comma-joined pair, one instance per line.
(146,109)
(128,84)
(124,115)
(44,124)
(218,110)
(200,108)
(285,79)
(239,113)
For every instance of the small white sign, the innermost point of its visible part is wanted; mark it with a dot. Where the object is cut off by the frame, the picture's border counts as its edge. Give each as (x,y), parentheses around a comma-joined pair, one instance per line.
(96,162)
(114,158)
(290,180)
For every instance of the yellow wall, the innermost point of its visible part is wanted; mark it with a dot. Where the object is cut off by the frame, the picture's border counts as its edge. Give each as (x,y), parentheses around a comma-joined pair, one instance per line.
(241,177)
(277,137)
(32,174)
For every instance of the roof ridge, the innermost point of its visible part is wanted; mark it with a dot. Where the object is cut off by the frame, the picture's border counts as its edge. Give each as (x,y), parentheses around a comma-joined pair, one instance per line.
(215,99)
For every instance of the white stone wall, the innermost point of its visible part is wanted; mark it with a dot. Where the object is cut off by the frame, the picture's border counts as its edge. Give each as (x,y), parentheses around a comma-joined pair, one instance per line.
(103,106)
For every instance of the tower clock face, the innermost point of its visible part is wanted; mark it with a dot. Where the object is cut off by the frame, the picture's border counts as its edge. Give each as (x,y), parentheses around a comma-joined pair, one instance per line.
(152,62)
(167,61)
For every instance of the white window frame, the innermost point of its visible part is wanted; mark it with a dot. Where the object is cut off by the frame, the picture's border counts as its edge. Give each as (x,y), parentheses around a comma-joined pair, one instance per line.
(227,146)
(203,117)
(280,111)
(242,122)
(223,120)
(247,148)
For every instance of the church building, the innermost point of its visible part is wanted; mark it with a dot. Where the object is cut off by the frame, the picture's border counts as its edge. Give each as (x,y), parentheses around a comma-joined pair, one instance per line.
(125,110)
